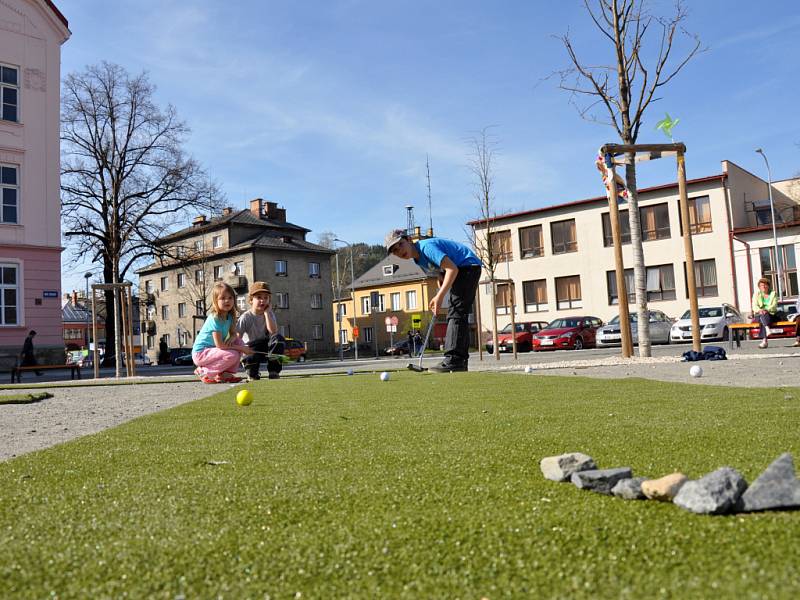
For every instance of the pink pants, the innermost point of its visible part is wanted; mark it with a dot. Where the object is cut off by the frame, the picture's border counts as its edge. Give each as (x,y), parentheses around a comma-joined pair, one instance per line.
(213,361)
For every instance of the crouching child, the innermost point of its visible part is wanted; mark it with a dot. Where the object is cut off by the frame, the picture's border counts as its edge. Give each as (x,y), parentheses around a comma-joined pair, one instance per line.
(259,329)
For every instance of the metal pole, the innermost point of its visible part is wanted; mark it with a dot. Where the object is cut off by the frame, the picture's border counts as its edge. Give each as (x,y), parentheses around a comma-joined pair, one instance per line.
(87,276)
(339,308)
(774,230)
(124,323)
(688,251)
(96,354)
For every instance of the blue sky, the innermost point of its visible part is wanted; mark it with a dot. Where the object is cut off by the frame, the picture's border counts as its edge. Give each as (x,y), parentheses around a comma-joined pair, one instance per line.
(330,107)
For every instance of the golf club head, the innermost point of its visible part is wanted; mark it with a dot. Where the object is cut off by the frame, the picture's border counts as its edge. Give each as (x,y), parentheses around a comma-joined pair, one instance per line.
(416,368)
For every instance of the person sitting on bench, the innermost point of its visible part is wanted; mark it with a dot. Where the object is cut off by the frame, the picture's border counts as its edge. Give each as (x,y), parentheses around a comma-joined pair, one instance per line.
(765,307)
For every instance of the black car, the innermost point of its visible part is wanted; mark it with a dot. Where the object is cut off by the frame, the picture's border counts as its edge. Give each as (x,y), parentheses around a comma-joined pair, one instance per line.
(397,349)
(181,357)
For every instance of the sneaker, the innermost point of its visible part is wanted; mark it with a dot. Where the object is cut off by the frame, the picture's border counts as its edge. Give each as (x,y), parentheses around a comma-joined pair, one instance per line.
(253,375)
(208,379)
(274,375)
(796,344)
(449,368)
(763,344)
(226,377)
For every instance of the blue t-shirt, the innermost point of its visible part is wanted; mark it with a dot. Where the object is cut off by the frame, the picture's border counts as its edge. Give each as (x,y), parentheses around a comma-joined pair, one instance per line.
(204,338)
(433,250)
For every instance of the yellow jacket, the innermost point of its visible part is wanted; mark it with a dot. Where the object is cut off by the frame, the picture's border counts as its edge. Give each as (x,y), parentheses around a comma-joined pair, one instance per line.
(768,302)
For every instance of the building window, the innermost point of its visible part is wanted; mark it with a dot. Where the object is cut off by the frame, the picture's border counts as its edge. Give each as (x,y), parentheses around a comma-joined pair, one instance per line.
(502,299)
(365,305)
(699,215)
(164,284)
(316,332)
(655,222)
(165,337)
(531,241)
(217,272)
(199,310)
(394,298)
(411,299)
(198,276)
(238,268)
(568,292)
(148,286)
(381,304)
(563,236)
(534,295)
(624,228)
(151,312)
(150,342)
(284,330)
(164,312)
(9,93)
(342,336)
(9,295)
(281,300)
(216,242)
(388,270)
(181,280)
(369,333)
(241,302)
(9,188)
(342,307)
(180,251)
(660,283)
(705,278)
(313,270)
(198,245)
(788,268)
(181,309)
(316,301)
(500,242)
(611,284)
(280,268)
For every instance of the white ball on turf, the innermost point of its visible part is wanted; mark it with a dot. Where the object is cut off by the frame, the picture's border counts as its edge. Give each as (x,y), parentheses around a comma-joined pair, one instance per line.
(349,371)
(696,371)
(384,376)
(529,369)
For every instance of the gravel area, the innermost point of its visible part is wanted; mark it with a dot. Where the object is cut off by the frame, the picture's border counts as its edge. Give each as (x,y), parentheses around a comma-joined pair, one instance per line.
(77,411)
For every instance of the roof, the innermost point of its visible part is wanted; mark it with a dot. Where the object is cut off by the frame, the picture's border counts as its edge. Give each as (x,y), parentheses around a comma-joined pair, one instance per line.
(577,203)
(405,270)
(768,227)
(242,217)
(57,12)
(75,314)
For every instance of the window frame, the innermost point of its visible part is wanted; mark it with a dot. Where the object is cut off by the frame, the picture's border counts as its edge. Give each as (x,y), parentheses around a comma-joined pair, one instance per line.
(624,226)
(165,312)
(534,306)
(659,232)
(216,242)
(500,244)
(284,272)
(663,294)
(10,86)
(7,286)
(314,273)
(181,309)
(568,246)
(395,296)
(181,280)
(316,301)
(164,283)
(411,294)
(218,272)
(571,303)
(10,186)
(533,251)
(701,289)
(316,331)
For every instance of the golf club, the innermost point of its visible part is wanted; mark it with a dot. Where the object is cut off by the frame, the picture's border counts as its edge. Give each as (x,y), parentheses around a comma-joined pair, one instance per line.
(418,367)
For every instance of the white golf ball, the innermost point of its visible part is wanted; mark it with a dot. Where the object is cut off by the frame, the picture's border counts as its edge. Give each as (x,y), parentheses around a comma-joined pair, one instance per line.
(384,376)
(349,371)
(529,369)
(696,371)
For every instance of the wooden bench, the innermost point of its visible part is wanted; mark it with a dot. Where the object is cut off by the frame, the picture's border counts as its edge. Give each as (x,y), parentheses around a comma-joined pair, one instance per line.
(739,331)
(16,372)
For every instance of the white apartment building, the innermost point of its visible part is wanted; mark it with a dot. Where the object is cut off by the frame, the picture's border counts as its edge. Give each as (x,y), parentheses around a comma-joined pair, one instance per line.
(561,258)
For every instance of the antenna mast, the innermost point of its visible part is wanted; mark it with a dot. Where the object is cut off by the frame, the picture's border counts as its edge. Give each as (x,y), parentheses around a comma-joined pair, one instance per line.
(430,214)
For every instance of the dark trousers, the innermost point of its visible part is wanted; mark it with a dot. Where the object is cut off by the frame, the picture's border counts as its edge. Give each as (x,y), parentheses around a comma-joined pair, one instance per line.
(274,344)
(462,297)
(766,320)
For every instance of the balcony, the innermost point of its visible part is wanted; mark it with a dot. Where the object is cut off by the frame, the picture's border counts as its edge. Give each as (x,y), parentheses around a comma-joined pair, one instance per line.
(237,282)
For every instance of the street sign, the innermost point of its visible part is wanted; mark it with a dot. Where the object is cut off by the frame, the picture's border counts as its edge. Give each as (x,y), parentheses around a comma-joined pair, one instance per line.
(391,329)
(388,320)
(355,332)
(416,321)
(394,320)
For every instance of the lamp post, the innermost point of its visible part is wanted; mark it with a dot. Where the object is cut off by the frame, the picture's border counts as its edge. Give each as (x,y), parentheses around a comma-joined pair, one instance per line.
(774,230)
(86,276)
(352,296)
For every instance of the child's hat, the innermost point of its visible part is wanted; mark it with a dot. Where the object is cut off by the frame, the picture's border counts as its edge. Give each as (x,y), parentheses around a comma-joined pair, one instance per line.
(258,286)
(394,236)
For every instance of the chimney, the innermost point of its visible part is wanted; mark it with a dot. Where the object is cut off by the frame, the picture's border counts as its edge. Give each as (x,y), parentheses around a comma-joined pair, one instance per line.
(430,232)
(199,220)
(276,214)
(227,211)
(74,298)
(257,207)
(417,232)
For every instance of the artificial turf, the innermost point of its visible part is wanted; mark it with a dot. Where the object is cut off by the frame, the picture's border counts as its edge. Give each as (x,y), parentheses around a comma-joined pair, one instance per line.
(425,486)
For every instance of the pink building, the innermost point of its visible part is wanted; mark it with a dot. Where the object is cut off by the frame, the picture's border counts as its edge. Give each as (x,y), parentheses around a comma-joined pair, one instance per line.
(31,34)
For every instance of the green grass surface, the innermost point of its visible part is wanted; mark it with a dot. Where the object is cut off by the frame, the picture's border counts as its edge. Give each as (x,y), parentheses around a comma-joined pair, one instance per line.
(426,486)
(24,398)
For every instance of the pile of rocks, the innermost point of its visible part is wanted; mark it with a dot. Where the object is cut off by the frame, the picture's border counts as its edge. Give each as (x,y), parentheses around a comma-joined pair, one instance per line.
(723,491)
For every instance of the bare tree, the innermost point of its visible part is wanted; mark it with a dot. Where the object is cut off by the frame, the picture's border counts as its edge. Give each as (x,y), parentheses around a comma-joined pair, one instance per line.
(125,178)
(623,90)
(482,154)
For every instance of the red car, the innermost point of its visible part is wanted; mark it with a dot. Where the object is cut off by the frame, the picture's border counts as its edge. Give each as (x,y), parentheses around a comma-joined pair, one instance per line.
(568,333)
(524,337)
(786,308)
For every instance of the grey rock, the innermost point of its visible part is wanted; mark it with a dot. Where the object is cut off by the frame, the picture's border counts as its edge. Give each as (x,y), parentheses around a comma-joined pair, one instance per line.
(601,481)
(561,468)
(714,494)
(776,488)
(629,489)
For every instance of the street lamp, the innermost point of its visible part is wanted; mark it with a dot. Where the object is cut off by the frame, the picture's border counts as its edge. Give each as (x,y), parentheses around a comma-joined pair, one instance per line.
(87,276)
(774,230)
(352,296)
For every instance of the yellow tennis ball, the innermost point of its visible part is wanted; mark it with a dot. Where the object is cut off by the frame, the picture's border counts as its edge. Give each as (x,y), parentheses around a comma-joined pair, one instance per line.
(244,398)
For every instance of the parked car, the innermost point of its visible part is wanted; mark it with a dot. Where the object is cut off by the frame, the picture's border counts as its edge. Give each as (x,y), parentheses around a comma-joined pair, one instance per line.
(397,349)
(786,312)
(714,321)
(295,349)
(660,325)
(567,333)
(524,336)
(181,356)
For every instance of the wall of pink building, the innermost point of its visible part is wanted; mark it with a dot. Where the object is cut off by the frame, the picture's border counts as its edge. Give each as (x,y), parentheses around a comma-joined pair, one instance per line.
(40,271)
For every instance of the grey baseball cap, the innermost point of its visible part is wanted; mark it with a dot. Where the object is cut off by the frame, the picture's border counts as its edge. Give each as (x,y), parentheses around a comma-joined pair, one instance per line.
(394,236)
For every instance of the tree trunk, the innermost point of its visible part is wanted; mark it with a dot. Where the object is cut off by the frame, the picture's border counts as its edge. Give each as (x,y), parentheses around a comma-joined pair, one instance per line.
(639,270)
(108,276)
(495,349)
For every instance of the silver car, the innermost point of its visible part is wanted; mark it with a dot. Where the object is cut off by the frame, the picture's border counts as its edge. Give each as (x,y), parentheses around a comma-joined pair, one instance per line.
(714,321)
(660,324)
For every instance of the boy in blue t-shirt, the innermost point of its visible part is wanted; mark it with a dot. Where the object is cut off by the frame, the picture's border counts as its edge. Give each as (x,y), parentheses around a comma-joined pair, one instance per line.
(462,271)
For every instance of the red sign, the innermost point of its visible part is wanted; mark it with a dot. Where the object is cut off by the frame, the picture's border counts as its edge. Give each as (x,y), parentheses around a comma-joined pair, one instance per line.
(394,321)
(355,332)
(388,320)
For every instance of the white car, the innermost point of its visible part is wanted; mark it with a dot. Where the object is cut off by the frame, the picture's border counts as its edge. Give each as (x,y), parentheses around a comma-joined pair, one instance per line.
(714,321)
(609,334)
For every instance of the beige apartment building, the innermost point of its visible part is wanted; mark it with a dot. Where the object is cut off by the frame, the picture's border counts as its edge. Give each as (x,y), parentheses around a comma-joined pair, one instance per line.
(238,247)
(561,262)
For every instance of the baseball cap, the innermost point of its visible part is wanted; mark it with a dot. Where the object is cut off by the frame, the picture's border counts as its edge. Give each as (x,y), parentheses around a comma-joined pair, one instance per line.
(258,286)
(394,236)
